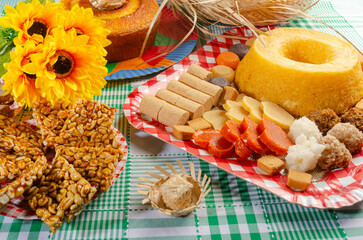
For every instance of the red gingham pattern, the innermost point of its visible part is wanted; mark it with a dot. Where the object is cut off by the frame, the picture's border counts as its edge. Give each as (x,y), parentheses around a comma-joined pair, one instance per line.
(338,188)
(19,208)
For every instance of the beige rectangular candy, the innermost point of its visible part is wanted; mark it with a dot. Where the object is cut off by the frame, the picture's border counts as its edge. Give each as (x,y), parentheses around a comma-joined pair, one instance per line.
(200,72)
(191,94)
(195,109)
(270,164)
(171,115)
(203,86)
(298,180)
(199,124)
(183,132)
(151,106)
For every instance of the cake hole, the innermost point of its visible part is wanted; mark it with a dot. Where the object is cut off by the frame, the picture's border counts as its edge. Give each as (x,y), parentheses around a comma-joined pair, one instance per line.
(308,51)
(38,27)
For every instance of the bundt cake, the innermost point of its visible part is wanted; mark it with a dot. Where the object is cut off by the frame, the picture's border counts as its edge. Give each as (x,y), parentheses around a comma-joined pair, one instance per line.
(128,25)
(302,71)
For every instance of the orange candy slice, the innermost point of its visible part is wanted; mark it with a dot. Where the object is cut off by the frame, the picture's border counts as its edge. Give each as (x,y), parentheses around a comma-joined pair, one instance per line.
(220,147)
(241,149)
(230,131)
(274,137)
(250,136)
(203,137)
(214,142)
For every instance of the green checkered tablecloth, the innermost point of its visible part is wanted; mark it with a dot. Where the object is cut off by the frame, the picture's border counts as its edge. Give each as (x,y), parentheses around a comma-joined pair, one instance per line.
(234,209)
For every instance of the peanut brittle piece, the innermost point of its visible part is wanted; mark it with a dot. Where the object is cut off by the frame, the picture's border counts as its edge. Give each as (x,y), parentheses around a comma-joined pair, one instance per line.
(19,137)
(96,165)
(8,126)
(60,194)
(50,119)
(89,124)
(12,165)
(14,189)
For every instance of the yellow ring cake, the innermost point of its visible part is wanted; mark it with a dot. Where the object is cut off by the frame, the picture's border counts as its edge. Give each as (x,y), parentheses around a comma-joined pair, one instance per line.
(302,71)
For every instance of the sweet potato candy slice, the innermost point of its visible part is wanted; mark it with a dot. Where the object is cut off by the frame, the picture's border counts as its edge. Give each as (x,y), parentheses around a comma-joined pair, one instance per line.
(274,137)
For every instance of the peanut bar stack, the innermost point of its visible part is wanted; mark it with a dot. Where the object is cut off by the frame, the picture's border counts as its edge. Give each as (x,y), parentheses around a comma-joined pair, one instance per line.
(96,165)
(24,181)
(89,124)
(50,120)
(60,194)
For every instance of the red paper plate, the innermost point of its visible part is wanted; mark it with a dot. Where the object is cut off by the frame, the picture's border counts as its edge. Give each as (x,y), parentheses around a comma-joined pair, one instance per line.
(338,188)
(19,208)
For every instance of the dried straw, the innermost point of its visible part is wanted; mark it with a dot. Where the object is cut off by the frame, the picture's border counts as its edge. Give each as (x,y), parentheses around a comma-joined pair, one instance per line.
(249,13)
(240,13)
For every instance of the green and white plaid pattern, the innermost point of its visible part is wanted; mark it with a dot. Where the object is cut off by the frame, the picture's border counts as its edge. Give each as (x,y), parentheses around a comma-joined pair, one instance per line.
(234,209)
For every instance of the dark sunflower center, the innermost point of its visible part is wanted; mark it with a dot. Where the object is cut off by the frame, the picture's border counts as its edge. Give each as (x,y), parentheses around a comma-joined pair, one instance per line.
(38,27)
(63,66)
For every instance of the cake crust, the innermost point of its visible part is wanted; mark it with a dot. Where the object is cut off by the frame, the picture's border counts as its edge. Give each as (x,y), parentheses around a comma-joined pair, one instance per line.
(128,25)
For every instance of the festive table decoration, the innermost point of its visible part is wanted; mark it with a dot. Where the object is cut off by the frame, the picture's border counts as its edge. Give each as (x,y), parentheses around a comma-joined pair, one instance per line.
(175,194)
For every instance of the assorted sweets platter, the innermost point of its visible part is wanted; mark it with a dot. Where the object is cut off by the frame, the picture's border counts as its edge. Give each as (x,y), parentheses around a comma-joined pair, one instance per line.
(306,158)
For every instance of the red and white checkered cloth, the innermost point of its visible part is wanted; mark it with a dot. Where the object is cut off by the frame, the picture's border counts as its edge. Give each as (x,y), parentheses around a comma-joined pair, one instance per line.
(338,188)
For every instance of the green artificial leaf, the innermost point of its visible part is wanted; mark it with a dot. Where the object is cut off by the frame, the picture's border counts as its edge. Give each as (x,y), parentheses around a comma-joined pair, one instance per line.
(4,58)
(7,36)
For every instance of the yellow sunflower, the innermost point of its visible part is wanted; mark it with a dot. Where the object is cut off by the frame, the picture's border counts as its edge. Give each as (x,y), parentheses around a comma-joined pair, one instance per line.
(21,75)
(32,20)
(69,68)
(83,21)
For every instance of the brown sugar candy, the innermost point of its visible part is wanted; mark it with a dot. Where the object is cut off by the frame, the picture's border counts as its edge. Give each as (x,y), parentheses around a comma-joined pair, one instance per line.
(354,116)
(183,132)
(298,180)
(229,93)
(270,164)
(324,119)
(335,154)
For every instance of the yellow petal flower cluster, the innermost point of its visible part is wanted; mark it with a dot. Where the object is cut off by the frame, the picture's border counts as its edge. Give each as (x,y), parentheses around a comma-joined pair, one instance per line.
(32,20)
(21,75)
(59,54)
(84,22)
